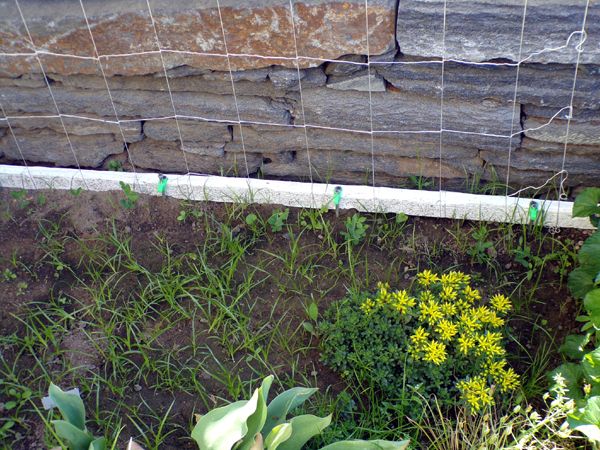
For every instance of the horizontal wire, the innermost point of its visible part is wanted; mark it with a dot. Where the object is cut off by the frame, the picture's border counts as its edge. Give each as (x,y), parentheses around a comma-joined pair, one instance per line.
(578,47)
(282,125)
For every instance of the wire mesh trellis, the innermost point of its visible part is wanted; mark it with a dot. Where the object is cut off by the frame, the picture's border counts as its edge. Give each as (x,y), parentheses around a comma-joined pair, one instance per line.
(576,38)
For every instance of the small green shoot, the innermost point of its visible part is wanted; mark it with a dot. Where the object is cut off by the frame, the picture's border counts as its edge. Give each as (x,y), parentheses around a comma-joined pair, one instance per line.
(131,197)
(278,219)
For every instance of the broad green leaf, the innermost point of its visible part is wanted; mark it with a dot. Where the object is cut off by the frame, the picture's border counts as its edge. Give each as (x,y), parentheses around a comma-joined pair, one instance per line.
(73,436)
(221,428)
(591,301)
(589,255)
(581,281)
(282,404)
(591,365)
(256,421)
(303,428)
(70,406)
(279,434)
(586,203)
(573,374)
(574,345)
(98,444)
(586,420)
(367,445)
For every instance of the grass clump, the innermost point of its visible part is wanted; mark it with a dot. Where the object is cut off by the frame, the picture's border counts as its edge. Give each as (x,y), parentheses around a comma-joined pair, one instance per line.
(440,339)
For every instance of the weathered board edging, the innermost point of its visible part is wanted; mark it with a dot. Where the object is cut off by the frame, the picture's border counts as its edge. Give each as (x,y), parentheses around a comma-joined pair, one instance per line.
(442,204)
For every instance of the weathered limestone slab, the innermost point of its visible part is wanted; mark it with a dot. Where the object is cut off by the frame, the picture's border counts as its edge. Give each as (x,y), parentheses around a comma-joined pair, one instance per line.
(360,81)
(268,139)
(325,29)
(50,147)
(398,111)
(143,104)
(327,163)
(132,131)
(483,30)
(539,84)
(168,157)
(525,159)
(191,130)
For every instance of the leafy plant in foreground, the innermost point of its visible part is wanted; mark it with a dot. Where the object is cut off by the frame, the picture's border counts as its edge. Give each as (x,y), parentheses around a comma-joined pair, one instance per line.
(443,339)
(582,377)
(277,220)
(356,229)
(72,429)
(131,197)
(254,425)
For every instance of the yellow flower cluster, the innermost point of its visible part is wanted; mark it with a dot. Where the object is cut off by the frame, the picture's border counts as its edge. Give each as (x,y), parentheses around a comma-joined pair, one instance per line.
(476,392)
(450,320)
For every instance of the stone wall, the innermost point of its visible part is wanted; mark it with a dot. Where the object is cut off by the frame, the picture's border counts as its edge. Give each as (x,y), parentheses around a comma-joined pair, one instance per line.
(328,86)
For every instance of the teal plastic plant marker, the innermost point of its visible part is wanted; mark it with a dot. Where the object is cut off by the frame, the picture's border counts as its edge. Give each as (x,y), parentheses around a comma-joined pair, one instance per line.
(533,211)
(337,197)
(162,184)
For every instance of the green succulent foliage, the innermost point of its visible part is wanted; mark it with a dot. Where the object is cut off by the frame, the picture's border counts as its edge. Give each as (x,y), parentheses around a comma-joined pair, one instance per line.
(72,429)
(254,425)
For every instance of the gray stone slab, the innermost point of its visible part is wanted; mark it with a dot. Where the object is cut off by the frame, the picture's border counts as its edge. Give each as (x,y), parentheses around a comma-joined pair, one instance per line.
(359,81)
(191,130)
(484,30)
(47,146)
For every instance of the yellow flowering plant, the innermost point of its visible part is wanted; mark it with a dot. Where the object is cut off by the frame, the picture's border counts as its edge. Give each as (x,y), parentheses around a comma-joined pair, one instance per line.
(442,338)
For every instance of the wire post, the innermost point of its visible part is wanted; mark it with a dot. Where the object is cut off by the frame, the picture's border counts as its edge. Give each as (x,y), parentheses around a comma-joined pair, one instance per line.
(50,90)
(12,133)
(162,60)
(108,90)
(442,103)
(297,63)
(237,108)
(579,48)
(514,112)
(370,96)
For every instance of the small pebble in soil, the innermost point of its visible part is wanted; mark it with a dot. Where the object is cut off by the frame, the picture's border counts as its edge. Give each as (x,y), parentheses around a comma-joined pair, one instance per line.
(508,266)
(313,373)
(320,237)
(127,229)
(137,388)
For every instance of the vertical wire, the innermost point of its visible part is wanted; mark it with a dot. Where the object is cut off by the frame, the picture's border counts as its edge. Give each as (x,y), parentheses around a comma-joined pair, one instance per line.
(442,103)
(370,96)
(50,91)
(301,100)
(10,129)
(579,48)
(514,111)
(108,90)
(237,108)
(187,167)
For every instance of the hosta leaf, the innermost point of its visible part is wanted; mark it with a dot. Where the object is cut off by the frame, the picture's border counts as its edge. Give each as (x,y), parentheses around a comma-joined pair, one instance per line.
(278,434)
(221,428)
(586,203)
(284,403)
(70,406)
(367,445)
(75,438)
(98,444)
(303,428)
(256,421)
